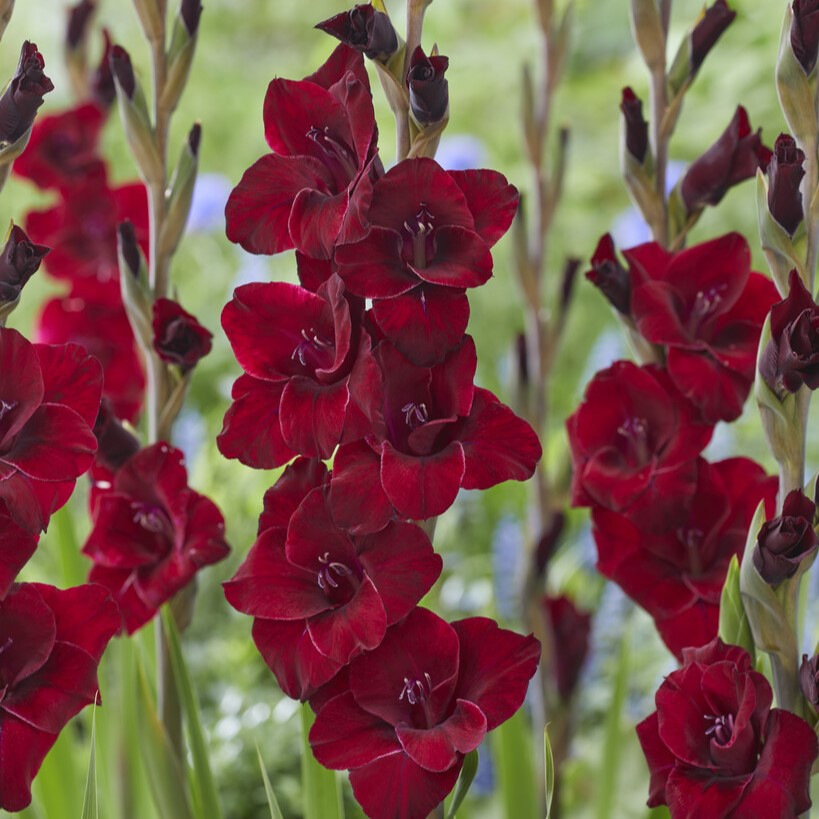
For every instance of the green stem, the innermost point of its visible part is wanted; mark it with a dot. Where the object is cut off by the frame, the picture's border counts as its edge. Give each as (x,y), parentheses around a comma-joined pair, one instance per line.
(659,144)
(168,703)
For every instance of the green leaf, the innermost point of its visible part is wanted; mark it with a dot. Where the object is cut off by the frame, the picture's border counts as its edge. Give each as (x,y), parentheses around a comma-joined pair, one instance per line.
(89,805)
(612,751)
(322,795)
(162,765)
(468,772)
(206,796)
(73,565)
(512,745)
(58,786)
(275,810)
(549,764)
(734,628)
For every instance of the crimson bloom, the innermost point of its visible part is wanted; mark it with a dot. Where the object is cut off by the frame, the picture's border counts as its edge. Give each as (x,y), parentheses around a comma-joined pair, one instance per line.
(310,373)
(53,642)
(634,443)
(151,533)
(732,159)
(49,399)
(424,698)
(715,747)
(707,307)
(677,577)
(178,337)
(365,29)
(434,433)
(320,596)
(430,238)
(323,136)
(64,149)
(787,540)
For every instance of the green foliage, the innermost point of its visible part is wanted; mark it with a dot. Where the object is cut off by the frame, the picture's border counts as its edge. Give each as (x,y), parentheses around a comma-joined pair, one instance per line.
(89,802)
(320,787)
(275,810)
(465,778)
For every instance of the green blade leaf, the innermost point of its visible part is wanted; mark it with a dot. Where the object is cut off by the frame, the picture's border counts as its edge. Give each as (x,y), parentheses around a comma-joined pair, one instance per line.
(207,797)
(549,762)
(89,804)
(275,810)
(322,795)
(468,772)
(512,746)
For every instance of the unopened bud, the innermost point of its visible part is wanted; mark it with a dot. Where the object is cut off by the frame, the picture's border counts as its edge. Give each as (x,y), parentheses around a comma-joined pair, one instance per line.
(428,87)
(24,94)
(364,29)
(79,17)
(636,127)
(708,30)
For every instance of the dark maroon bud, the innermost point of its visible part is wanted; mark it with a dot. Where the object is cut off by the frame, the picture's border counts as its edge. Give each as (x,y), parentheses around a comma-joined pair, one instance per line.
(365,29)
(805,33)
(549,541)
(786,541)
(791,357)
(115,445)
(128,247)
(120,62)
(103,90)
(79,17)
(733,158)
(708,30)
(178,337)
(194,138)
(636,126)
(785,174)
(610,277)
(24,94)
(19,261)
(809,679)
(190,12)
(571,629)
(567,284)
(522,358)
(428,88)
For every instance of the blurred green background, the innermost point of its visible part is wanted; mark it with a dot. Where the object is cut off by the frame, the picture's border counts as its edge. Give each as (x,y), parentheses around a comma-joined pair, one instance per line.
(242,45)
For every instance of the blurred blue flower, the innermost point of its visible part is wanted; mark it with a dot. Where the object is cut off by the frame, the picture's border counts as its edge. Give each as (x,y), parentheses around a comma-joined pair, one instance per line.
(210,194)
(507,548)
(459,152)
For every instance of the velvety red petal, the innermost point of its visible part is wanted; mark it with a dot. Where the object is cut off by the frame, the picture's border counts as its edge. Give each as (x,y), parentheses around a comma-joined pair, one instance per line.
(22,393)
(315,221)
(258,209)
(422,487)
(29,634)
(681,714)
(660,760)
(284,497)
(437,748)
(424,324)
(251,431)
(312,416)
(16,548)
(373,267)
(357,499)
(492,201)
(22,750)
(344,735)
(395,787)
(312,534)
(693,793)
(495,667)
(72,378)
(461,259)
(121,583)
(344,59)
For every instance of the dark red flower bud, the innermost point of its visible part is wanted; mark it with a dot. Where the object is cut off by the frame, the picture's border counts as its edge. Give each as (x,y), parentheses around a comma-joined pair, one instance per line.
(571,629)
(24,94)
(428,88)
(79,16)
(792,355)
(733,158)
(784,542)
(636,126)
(785,174)
(120,62)
(194,138)
(365,29)
(549,541)
(805,33)
(809,679)
(567,283)
(708,30)
(610,277)
(128,247)
(522,358)
(101,82)
(19,261)
(190,12)
(178,337)
(115,445)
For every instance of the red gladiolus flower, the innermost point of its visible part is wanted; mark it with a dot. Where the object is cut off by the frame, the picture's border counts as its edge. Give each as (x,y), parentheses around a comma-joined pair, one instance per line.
(424,698)
(324,140)
(571,629)
(634,442)
(321,596)
(434,434)
(707,307)
(716,748)
(49,399)
(430,239)
(101,326)
(178,337)
(310,376)
(151,533)
(63,149)
(52,644)
(677,577)
(16,548)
